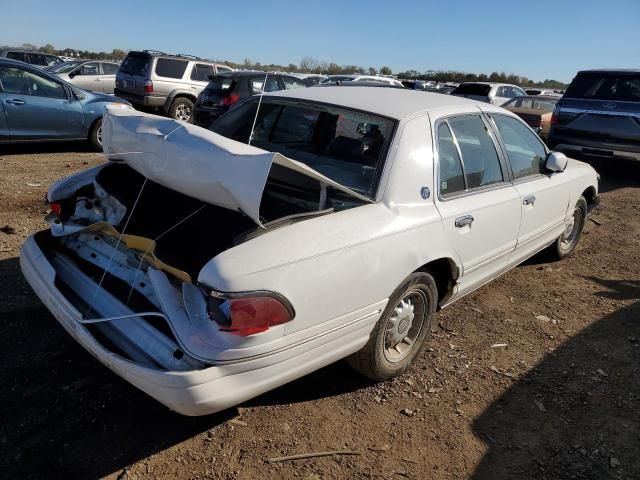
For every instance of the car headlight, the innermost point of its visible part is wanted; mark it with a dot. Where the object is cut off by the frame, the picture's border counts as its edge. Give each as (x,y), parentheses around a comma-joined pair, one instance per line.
(120,105)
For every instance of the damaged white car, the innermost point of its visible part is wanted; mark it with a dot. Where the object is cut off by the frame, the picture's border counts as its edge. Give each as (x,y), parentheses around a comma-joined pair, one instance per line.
(207,267)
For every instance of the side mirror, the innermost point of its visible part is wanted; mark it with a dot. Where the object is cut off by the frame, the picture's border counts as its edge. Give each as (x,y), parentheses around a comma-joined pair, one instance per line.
(556,162)
(73,74)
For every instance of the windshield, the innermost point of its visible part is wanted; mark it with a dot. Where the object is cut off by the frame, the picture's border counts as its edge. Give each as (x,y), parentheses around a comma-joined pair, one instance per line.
(619,86)
(348,146)
(65,67)
(480,89)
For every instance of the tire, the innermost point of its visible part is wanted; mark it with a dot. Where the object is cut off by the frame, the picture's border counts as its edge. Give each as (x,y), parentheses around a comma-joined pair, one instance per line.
(181,109)
(95,135)
(567,242)
(378,360)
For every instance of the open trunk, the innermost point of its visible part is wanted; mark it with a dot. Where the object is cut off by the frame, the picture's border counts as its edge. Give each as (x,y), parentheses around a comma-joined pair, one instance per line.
(129,238)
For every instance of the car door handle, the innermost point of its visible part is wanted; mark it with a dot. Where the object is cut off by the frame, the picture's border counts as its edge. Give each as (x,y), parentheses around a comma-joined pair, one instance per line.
(530,200)
(464,221)
(15,101)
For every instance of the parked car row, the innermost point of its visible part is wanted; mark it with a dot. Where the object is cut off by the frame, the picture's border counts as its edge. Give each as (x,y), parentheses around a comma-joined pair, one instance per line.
(31,57)
(36,105)
(599,114)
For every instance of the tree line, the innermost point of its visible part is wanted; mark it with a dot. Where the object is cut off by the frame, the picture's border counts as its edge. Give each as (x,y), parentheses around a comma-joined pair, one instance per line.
(313,65)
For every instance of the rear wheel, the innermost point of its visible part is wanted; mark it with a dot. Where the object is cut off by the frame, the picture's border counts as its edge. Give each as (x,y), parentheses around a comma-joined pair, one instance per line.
(95,135)
(567,242)
(402,331)
(182,109)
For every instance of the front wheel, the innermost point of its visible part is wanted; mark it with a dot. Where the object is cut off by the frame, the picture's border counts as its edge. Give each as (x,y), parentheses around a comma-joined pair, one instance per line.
(402,331)
(95,135)
(567,242)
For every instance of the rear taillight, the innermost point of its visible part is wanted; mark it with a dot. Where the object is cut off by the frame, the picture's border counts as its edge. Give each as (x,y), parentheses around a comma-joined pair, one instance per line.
(554,115)
(249,314)
(55,207)
(229,99)
(148,86)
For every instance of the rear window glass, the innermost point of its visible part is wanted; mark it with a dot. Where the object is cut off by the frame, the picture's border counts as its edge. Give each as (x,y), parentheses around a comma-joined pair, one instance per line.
(220,85)
(472,89)
(347,146)
(170,68)
(605,86)
(135,64)
(17,56)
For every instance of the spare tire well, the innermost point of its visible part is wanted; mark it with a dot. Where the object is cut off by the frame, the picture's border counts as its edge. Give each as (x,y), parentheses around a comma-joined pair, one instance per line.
(445,273)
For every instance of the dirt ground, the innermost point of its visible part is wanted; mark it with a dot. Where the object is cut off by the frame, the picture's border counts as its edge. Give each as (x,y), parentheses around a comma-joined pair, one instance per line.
(559,399)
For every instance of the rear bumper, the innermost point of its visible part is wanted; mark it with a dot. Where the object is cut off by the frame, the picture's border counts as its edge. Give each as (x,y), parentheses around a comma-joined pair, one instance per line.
(204,116)
(197,392)
(593,148)
(141,100)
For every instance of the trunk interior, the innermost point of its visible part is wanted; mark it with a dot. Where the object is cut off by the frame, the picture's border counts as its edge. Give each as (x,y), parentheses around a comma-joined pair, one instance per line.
(190,232)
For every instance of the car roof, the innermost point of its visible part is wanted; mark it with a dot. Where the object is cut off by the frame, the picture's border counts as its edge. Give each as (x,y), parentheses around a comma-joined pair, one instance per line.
(15,62)
(396,103)
(611,70)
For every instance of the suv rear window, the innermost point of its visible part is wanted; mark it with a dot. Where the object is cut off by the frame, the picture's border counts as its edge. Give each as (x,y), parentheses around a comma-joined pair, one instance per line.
(619,86)
(170,68)
(472,89)
(220,85)
(17,56)
(135,64)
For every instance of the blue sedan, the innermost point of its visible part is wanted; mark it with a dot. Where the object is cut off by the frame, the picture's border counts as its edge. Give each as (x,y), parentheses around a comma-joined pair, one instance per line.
(37,106)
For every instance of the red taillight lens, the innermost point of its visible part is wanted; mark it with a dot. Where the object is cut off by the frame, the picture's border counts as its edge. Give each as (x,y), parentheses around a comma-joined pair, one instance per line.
(55,208)
(230,99)
(248,316)
(148,86)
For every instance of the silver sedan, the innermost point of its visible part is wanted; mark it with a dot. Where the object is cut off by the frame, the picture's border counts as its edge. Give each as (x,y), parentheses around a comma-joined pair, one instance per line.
(98,76)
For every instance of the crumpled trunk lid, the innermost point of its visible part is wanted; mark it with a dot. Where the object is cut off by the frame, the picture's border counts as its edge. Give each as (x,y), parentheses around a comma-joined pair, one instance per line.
(197,162)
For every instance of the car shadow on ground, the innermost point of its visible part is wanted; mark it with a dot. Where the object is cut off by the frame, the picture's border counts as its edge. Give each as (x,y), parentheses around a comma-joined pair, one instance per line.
(46,147)
(66,415)
(614,173)
(538,428)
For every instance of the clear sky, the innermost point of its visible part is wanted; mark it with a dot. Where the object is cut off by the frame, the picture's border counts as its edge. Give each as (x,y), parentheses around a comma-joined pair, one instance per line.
(538,39)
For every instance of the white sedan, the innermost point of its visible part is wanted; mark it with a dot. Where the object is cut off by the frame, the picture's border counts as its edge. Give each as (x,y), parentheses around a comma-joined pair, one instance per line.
(208,267)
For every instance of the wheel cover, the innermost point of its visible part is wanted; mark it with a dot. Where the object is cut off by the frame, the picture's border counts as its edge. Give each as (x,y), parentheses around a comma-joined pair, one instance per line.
(404,325)
(572,229)
(183,112)
(99,135)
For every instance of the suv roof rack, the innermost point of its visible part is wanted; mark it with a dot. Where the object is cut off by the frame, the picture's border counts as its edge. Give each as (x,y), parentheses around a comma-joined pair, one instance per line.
(157,52)
(188,56)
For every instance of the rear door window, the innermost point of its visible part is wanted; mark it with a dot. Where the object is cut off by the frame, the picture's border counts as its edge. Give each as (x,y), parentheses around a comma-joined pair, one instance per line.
(620,86)
(449,162)
(480,159)
(136,64)
(170,67)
